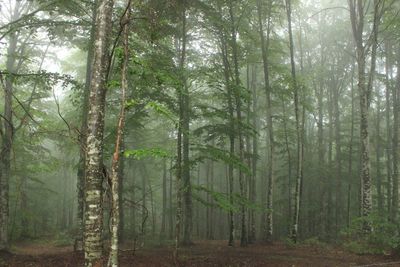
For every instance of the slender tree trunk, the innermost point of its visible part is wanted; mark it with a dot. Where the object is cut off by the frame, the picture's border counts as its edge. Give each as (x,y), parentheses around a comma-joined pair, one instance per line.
(164,202)
(144,202)
(299,178)
(93,245)
(395,145)
(211,215)
(338,152)
(116,170)
(8,134)
(121,177)
(153,212)
(208,199)
(388,78)
(238,102)
(254,159)
(24,209)
(268,231)
(321,151)
(378,155)
(350,170)
(330,184)
(289,158)
(64,200)
(226,67)
(170,206)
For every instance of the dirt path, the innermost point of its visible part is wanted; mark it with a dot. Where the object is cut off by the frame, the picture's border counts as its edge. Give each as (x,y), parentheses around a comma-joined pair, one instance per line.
(210,253)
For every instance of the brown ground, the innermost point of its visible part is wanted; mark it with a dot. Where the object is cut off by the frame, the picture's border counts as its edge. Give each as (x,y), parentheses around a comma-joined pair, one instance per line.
(210,253)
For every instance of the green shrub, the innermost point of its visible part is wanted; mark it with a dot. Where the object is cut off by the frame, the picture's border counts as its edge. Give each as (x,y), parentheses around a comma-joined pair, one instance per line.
(314,242)
(289,242)
(383,238)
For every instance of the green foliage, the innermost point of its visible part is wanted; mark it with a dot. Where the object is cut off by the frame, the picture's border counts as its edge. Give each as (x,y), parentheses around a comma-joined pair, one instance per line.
(289,243)
(217,154)
(145,153)
(314,242)
(162,110)
(223,201)
(63,239)
(383,238)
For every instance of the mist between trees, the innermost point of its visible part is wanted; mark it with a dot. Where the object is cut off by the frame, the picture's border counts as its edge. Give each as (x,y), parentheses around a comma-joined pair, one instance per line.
(168,122)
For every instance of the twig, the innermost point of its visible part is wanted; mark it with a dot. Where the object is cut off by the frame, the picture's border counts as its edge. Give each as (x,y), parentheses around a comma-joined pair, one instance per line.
(26,111)
(58,110)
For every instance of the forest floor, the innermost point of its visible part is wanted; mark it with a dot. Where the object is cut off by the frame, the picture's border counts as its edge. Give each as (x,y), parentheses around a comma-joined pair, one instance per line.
(203,253)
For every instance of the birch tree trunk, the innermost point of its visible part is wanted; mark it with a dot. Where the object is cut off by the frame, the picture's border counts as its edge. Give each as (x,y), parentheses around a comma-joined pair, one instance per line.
(357,13)
(299,178)
(268,231)
(94,175)
(78,246)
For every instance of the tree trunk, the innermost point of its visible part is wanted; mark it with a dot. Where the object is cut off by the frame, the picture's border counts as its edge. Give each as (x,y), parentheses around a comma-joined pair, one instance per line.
(252,184)
(338,152)
(170,206)
(93,245)
(299,134)
(268,231)
(378,155)
(357,21)
(8,135)
(388,78)
(116,171)
(226,68)
(395,145)
(238,102)
(350,170)
(78,246)
(164,202)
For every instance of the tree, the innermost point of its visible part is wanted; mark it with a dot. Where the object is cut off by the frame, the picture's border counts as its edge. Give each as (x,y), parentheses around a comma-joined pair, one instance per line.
(357,11)
(299,128)
(115,176)
(7,134)
(268,232)
(94,174)
(82,138)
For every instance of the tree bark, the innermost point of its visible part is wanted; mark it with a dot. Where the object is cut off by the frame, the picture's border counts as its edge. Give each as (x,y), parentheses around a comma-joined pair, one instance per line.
(78,246)
(395,145)
(8,134)
(268,231)
(164,202)
(357,21)
(116,172)
(254,159)
(93,245)
(226,68)
(388,77)
(238,103)
(299,134)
